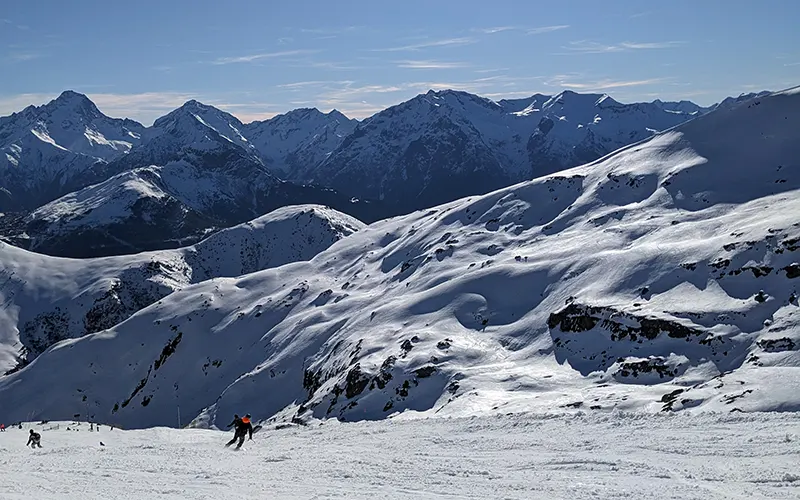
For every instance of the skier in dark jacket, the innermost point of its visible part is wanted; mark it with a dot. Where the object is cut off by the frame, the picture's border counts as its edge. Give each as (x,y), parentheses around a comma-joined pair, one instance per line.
(34,439)
(242,427)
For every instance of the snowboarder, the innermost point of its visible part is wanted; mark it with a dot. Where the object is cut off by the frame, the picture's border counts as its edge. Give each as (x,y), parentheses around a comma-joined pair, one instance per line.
(34,440)
(242,427)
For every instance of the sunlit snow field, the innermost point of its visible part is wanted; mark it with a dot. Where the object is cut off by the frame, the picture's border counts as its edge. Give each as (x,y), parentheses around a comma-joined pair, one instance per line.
(569,456)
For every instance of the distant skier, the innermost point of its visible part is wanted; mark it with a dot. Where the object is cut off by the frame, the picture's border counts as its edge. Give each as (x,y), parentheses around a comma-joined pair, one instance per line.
(242,427)
(2,427)
(34,440)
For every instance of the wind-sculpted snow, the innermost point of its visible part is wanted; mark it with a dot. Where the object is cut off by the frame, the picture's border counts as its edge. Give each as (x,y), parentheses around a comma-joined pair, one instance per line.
(45,299)
(652,279)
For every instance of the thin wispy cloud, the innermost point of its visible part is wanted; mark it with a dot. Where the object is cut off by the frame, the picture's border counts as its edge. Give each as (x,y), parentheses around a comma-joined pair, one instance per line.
(327,65)
(604,84)
(331,31)
(447,42)
(649,45)
(591,47)
(24,56)
(430,64)
(259,57)
(496,29)
(313,83)
(792,64)
(546,29)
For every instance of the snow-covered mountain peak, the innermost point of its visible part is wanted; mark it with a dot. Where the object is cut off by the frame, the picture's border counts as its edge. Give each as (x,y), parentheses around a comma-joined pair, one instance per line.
(199,126)
(532,103)
(606,101)
(569,99)
(293,143)
(461,99)
(46,150)
(76,101)
(338,115)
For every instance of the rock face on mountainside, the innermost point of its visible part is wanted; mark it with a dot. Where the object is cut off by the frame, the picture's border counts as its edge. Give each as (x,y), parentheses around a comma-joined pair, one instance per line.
(443,145)
(47,299)
(662,277)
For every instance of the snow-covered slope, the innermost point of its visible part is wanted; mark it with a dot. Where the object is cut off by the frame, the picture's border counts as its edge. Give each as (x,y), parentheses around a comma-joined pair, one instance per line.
(663,276)
(46,299)
(48,150)
(579,456)
(443,145)
(292,144)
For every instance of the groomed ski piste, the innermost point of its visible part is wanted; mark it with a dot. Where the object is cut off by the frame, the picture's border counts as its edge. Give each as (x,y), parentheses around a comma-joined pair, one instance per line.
(518,456)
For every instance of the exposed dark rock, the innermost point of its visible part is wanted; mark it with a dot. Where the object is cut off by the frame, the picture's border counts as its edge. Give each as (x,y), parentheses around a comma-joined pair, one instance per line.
(777,345)
(355,383)
(758,271)
(671,397)
(733,397)
(168,350)
(792,270)
(654,364)
(425,371)
(385,373)
(444,344)
(580,318)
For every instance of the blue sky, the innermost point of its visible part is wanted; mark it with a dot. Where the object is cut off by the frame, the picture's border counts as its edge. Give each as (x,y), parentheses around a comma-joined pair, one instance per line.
(258,58)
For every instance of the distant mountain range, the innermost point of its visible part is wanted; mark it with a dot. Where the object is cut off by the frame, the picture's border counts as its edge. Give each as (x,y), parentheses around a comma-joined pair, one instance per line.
(74,182)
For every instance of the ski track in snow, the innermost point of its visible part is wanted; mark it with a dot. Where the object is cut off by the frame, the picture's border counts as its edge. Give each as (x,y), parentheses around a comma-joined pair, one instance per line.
(614,455)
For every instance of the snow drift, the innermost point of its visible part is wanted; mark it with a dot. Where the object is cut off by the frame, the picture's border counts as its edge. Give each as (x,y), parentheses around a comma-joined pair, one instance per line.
(661,277)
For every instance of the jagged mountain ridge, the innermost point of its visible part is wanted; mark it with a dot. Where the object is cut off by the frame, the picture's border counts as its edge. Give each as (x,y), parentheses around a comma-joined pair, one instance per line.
(203,176)
(198,168)
(659,278)
(46,299)
(446,144)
